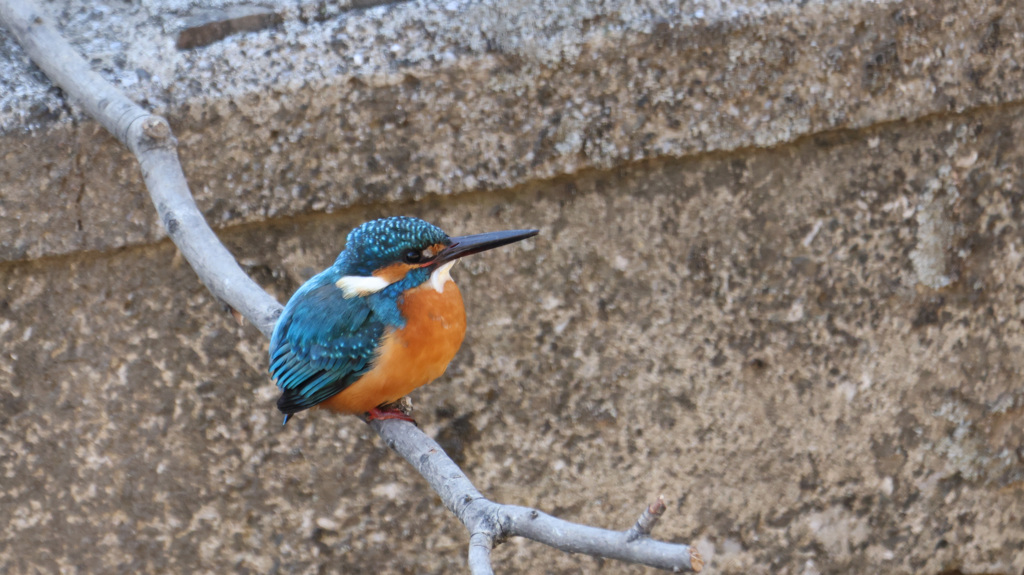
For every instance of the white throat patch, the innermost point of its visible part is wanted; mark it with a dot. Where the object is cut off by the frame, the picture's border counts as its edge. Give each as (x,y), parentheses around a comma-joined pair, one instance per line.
(359,286)
(441,276)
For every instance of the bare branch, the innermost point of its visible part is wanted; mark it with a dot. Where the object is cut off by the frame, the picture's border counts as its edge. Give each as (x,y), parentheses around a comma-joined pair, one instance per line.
(480,545)
(149,138)
(574,538)
(498,522)
(648,519)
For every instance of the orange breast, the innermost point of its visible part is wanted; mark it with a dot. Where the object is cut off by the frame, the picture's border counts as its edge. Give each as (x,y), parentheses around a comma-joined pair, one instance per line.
(412,356)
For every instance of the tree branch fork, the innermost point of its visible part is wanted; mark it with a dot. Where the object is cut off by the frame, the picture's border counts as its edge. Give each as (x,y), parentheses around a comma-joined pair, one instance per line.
(491,523)
(150,139)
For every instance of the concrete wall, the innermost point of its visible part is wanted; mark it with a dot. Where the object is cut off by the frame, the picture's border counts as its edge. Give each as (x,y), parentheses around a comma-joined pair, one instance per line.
(778,280)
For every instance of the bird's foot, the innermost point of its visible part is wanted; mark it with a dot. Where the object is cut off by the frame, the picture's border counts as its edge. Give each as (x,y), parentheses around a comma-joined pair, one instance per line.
(401,409)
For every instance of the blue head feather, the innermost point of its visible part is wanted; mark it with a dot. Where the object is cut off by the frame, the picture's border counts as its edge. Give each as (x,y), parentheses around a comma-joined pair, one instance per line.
(378,243)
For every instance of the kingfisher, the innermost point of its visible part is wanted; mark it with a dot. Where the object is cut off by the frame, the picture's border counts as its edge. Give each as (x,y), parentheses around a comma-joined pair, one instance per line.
(385,319)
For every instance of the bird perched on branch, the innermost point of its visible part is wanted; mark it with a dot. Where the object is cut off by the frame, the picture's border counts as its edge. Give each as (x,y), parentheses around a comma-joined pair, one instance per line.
(385,319)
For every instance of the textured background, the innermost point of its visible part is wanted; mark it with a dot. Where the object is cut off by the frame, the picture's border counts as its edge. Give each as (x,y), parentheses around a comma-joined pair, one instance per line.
(779,279)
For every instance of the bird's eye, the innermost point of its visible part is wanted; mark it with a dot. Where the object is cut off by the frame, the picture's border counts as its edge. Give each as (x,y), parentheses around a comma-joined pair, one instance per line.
(413,257)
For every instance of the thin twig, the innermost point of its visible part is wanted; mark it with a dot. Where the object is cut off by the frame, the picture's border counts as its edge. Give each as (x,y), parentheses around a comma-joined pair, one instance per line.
(648,519)
(149,138)
(574,538)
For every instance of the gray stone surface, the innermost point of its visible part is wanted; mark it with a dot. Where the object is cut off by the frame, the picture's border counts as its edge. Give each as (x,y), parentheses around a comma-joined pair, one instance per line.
(813,349)
(421,99)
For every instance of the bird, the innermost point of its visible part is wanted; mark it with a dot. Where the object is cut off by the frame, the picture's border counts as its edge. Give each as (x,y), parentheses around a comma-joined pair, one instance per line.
(383,320)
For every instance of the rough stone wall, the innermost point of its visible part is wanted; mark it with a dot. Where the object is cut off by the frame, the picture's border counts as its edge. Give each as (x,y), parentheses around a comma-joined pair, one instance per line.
(415,100)
(812,349)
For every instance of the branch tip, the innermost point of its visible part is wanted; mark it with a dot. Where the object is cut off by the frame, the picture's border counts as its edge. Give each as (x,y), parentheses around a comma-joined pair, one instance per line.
(156,128)
(648,519)
(696,561)
(658,507)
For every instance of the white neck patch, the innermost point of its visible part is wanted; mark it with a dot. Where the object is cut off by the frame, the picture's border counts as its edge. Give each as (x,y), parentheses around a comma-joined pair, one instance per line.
(441,276)
(362,286)
(359,286)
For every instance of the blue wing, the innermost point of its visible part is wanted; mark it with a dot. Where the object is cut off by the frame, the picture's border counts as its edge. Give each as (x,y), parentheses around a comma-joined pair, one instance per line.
(322,343)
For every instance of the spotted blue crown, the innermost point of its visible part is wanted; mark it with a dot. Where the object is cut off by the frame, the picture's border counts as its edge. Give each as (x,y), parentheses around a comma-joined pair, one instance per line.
(378,243)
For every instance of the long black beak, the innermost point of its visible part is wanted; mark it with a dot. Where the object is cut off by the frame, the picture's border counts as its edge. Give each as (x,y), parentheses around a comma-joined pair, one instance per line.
(466,245)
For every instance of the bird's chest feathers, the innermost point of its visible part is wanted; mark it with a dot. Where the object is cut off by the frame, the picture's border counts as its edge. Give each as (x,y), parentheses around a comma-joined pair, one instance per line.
(435,323)
(413,355)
